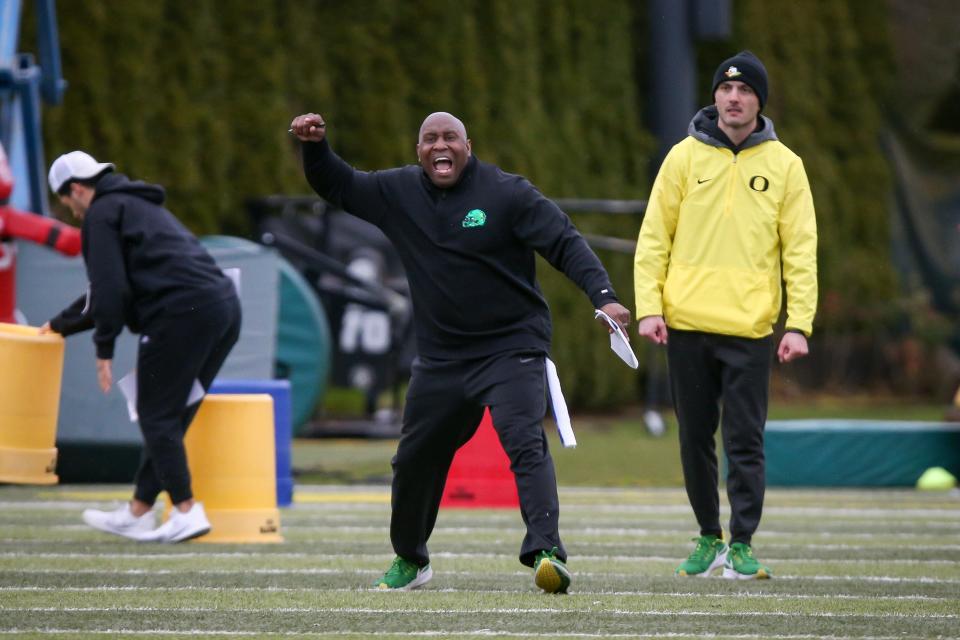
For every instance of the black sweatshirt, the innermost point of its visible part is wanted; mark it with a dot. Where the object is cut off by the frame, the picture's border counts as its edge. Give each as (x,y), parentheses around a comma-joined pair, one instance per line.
(468,250)
(142,264)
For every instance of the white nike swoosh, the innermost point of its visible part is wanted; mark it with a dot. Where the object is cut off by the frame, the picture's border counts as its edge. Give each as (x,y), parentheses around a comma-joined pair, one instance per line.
(526,360)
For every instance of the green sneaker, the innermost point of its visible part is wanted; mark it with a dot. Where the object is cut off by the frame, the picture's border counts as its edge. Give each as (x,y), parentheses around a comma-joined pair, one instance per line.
(549,573)
(403,576)
(708,556)
(741,565)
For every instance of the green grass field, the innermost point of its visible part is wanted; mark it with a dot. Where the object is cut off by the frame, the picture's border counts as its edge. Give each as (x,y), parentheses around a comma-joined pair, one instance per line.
(871,565)
(848,564)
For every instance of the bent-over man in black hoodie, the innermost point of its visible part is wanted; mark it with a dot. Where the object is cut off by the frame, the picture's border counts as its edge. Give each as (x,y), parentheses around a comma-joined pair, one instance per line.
(467,234)
(148,272)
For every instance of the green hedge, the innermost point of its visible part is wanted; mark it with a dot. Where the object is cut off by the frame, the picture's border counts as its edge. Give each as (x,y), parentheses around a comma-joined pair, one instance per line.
(198,96)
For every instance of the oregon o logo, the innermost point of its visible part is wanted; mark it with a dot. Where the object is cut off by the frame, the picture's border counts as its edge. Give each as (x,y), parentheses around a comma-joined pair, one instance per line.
(759,183)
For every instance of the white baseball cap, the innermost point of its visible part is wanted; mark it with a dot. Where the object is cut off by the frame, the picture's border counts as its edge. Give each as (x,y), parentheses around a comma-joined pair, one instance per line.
(76,165)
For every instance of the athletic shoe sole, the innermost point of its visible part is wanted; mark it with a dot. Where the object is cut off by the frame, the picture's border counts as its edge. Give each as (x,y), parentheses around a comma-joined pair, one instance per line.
(732,574)
(162,533)
(190,535)
(552,577)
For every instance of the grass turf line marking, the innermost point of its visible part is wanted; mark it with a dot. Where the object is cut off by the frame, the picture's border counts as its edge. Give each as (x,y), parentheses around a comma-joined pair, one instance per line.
(630,535)
(442,554)
(493,610)
(374,572)
(332,498)
(364,502)
(569,532)
(798,512)
(669,594)
(305,498)
(442,634)
(86,495)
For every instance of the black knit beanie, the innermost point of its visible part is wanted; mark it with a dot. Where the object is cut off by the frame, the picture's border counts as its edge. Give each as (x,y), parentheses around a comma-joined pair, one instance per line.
(746,68)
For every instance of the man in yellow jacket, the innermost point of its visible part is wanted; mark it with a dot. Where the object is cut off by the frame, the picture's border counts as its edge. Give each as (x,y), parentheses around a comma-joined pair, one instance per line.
(730,222)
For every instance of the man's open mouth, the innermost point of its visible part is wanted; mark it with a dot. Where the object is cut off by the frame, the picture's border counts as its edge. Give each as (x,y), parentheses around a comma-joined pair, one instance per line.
(442,165)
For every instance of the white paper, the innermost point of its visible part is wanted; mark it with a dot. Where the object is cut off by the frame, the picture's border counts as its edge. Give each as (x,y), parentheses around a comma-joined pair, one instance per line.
(234,274)
(560,414)
(619,341)
(128,387)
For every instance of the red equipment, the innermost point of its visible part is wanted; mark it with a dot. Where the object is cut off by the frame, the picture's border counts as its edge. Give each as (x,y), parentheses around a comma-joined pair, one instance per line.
(27,226)
(480,476)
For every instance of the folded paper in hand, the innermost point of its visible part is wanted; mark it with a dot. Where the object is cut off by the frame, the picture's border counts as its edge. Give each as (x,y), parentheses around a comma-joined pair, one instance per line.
(619,341)
(128,386)
(234,274)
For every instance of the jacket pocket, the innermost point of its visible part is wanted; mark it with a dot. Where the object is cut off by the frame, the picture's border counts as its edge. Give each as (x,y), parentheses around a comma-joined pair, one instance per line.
(726,301)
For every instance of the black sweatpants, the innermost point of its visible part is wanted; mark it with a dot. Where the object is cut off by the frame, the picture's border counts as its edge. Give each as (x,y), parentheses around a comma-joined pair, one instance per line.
(175,351)
(445,402)
(709,372)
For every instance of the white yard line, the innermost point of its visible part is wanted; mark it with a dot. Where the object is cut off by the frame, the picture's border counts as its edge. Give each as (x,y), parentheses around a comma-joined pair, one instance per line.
(950,512)
(572,533)
(173,556)
(476,610)
(804,512)
(440,634)
(312,590)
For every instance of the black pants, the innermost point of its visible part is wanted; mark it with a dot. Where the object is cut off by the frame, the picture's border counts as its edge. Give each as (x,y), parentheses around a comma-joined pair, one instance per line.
(174,352)
(707,372)
(444,406)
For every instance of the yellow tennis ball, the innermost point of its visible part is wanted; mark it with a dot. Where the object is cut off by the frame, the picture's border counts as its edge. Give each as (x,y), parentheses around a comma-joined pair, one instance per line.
(936,479)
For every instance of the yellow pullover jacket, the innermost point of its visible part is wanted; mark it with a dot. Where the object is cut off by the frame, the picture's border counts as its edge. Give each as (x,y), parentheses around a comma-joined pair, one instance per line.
(722,231)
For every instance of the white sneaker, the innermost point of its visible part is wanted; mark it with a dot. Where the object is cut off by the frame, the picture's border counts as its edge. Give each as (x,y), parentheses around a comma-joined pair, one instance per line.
(654,423)
(120,522)
(181,526)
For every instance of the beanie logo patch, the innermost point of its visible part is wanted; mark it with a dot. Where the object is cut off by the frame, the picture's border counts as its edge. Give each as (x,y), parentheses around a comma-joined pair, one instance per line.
(732,72)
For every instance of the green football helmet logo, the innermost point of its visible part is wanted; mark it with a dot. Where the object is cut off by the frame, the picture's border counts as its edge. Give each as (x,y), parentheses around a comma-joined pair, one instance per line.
(475,218)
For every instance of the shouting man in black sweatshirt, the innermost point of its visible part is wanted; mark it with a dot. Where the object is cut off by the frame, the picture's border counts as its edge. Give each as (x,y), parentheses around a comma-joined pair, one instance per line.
(147,272)
(467,234)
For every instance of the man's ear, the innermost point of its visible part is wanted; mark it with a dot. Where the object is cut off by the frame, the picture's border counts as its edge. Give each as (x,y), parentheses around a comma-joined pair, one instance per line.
(80,193)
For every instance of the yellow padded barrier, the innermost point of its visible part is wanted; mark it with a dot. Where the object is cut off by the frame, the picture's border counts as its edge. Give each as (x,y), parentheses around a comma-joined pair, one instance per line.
(230,452)
(31,366)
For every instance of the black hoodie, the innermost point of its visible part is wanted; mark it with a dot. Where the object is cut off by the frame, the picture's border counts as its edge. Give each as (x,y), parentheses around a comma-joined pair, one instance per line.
(142,264)
(468,250)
